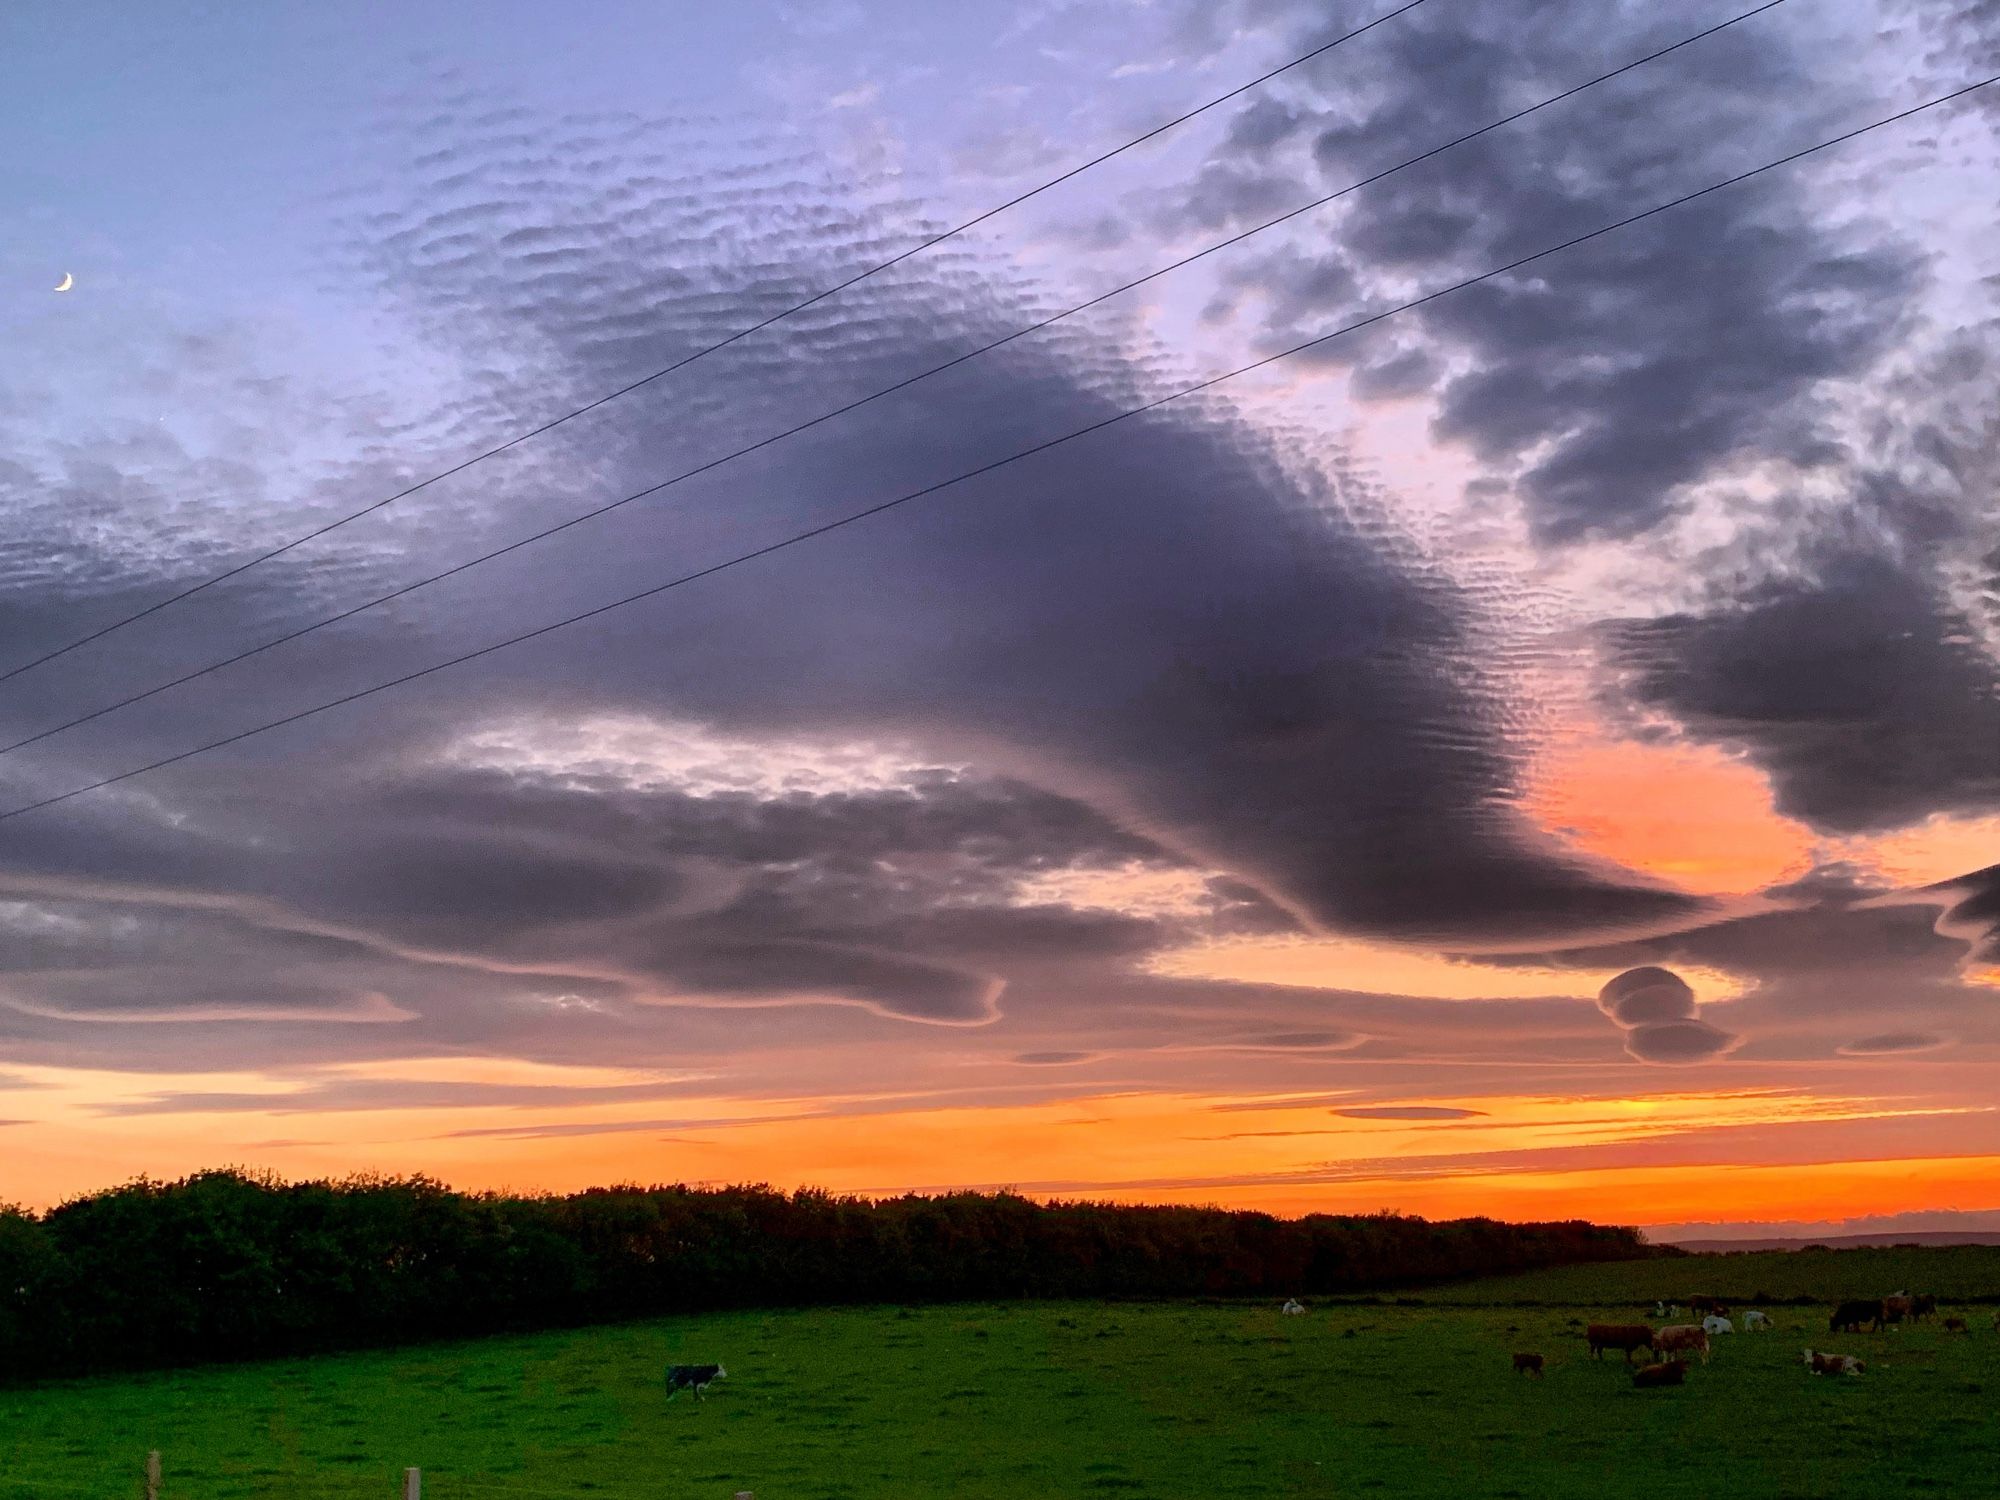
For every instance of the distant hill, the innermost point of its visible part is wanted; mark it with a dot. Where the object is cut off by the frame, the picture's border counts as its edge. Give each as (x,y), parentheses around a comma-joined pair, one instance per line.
(1845,1241)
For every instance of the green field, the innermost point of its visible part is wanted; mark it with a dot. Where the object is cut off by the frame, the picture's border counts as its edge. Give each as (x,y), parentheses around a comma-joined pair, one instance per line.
(1406,1398)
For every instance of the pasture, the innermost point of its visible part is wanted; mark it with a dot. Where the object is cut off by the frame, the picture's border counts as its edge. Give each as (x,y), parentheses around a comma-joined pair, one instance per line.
(1410,1397)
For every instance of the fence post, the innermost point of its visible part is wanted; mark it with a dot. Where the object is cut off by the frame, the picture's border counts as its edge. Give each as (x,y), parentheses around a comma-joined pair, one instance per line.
(153,1475)
(413,1484)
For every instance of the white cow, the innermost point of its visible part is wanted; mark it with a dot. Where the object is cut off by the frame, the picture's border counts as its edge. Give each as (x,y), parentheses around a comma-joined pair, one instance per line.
(1754,1320)
(1293,1307)
(1716,1323)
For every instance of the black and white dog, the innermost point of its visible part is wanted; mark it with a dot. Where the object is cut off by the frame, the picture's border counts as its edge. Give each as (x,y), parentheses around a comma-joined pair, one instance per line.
(694,1378)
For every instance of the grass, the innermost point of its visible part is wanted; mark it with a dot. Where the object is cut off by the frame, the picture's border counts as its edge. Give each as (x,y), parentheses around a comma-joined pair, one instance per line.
(1065,1400)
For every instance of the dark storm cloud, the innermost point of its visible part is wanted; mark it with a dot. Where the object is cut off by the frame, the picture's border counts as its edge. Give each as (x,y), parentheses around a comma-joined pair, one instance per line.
(1606,381)
(1861,691)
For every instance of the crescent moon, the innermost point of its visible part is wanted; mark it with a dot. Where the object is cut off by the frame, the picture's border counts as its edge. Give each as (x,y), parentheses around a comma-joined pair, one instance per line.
(66,283)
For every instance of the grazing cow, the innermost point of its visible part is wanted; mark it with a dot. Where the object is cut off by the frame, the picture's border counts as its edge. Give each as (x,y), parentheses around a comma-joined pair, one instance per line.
(1293,1307)
(1895,1309)
(696,1378)
(1716,1323)
(1623,1336)
(1673,1372)
(1528,1364)
(1833,1364)
(1707,1305)
(1682,1338)
(1755,1321)
(1921,1307)
(1851,1314)
(1954,1325)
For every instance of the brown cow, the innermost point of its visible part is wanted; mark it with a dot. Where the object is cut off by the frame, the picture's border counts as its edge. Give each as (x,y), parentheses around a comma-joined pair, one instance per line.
(1624,1336)
(1833,1364)
(1895,1309)
(1922,1306)
(1682,1338)
(1954,1325)
(1528,1364)
(1673,1372)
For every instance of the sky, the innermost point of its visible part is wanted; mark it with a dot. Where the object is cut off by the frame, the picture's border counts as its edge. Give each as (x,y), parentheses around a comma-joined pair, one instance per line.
(1534,753)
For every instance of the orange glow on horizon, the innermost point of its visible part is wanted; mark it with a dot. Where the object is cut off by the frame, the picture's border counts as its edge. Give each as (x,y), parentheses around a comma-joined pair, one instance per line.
(1504,1156)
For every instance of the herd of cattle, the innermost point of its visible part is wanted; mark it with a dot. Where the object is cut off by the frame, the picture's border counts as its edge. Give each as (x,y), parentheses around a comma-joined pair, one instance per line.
(1674,1345)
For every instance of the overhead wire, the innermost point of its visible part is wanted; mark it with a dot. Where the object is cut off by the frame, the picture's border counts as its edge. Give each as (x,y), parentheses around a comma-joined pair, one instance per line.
(710,465)
(702,353)
(880,507)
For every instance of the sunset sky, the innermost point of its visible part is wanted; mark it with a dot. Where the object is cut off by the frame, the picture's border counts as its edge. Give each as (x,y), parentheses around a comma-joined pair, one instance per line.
(1252,802)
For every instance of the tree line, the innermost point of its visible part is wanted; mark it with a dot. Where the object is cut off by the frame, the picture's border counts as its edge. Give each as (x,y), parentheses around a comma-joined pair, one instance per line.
(228,1265)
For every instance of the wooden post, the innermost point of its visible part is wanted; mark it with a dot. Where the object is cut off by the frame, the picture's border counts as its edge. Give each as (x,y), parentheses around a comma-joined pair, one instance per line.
(413,1484)
(153,1475)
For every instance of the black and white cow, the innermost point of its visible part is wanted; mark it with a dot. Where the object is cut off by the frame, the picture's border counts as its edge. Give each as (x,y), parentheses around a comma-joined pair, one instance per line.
(696,1378)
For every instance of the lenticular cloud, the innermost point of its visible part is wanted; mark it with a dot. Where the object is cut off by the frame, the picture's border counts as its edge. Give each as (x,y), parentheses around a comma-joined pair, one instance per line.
(1658,1011)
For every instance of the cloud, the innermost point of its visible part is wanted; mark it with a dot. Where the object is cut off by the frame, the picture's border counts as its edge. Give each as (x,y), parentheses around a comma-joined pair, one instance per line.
(1647,996)
(1657,1009)
(1888,1043)
(1859,690)
(1603,386)
(1678,1042)
(1407,1112)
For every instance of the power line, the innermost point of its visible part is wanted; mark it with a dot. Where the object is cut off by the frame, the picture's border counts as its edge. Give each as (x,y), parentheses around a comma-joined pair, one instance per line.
(680,364)
(838,411)
(795,538)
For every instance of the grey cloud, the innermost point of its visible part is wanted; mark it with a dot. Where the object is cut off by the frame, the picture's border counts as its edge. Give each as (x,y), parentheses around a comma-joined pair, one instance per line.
(1888,1043)
(1647,996)
(1972,914)
(1605,383)
(1657,1010)
(1859,690)
(1407,1112)
(1678,1042)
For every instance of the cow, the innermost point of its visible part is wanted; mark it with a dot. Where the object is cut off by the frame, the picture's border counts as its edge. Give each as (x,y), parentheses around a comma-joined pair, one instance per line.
(1755,1321)
(1293,1307)
(1954,1325)
(1833,1364)
(1622,1336)
(1923,1306)
(1851,1314)
(1528,1364)
(1716,1323)
(696,1378)
(1672,1372)
(1682,1338)
(1707,1305)
(1895,1309)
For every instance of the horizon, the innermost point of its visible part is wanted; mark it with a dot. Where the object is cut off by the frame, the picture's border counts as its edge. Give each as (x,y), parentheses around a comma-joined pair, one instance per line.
(1535,756)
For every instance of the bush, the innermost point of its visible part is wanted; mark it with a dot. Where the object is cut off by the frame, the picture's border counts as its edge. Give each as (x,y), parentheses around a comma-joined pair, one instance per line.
(227,1265)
